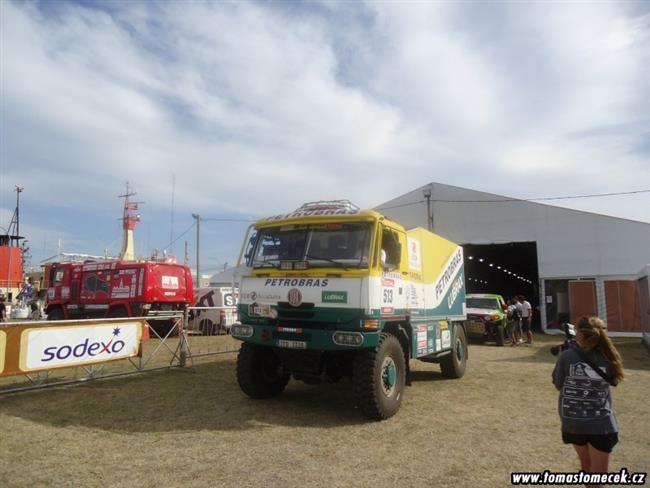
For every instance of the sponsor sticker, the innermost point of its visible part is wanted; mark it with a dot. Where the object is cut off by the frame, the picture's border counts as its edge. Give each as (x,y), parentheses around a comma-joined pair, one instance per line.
(170,282)
(415,260)
(334,297)
(255,296)
(446,339)
(387,282)
(57,347)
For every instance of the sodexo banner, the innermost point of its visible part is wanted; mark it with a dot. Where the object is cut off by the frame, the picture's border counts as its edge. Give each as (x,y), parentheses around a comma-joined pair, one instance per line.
(57,347)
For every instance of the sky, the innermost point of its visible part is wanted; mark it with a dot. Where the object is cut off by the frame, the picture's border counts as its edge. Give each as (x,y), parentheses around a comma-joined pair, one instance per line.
(237,110)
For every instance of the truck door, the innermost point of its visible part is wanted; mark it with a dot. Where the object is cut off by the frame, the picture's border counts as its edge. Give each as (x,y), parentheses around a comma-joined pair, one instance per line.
(392,289)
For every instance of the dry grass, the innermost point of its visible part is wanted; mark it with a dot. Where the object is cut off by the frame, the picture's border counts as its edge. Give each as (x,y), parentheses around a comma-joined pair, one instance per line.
(195,428)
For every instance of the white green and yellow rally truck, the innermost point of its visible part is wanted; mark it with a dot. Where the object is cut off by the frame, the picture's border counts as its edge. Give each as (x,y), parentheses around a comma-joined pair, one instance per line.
(331,291)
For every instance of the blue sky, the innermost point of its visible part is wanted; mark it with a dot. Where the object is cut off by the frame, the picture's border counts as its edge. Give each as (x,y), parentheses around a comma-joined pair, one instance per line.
(256,107)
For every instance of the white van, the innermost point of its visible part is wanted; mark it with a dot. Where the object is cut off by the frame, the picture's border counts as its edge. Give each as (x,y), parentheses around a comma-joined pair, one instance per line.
(220,312)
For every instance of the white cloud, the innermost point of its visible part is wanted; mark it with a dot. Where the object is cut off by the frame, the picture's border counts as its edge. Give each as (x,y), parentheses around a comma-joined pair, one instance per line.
(258,107)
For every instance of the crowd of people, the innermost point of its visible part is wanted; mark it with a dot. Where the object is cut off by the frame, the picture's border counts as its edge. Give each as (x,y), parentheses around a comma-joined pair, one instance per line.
(520,314)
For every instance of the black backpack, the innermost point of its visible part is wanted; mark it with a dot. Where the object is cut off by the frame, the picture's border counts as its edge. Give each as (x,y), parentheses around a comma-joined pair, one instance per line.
(515,314)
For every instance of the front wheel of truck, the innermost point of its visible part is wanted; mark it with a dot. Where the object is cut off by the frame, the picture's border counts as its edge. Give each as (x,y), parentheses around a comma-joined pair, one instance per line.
(453,365)
(260,373)
(379,376)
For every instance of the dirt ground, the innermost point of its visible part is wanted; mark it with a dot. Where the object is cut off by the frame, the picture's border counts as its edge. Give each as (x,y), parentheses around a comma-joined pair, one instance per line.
(194,428)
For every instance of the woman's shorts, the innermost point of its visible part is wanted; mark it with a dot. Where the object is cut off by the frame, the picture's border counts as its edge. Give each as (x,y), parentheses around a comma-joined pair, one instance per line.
(604,442)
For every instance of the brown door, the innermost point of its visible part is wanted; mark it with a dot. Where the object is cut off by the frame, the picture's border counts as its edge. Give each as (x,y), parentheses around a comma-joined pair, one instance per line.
(582,299)
(622,299)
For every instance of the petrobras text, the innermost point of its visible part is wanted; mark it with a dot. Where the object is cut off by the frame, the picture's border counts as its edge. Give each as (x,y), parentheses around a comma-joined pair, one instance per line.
(450,270)
(55,347)
(314,282)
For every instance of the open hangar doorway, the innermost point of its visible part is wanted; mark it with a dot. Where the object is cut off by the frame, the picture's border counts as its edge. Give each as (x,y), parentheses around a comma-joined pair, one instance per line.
(506,269)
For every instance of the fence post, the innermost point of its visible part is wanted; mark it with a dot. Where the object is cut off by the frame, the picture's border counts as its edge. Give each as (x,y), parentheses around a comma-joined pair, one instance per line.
(183,339)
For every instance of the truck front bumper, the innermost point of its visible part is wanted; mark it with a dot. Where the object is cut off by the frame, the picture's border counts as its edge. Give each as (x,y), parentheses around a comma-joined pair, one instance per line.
(305,338)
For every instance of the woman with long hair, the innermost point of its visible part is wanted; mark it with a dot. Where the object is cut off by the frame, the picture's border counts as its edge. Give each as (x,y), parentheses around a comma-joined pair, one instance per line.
(583,374)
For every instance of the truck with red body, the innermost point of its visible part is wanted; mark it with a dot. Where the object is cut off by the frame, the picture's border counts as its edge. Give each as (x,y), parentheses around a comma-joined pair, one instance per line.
(116,288)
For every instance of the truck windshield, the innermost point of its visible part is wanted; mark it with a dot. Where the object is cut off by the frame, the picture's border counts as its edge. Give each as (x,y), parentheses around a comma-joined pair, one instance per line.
(485,303)
(319,245)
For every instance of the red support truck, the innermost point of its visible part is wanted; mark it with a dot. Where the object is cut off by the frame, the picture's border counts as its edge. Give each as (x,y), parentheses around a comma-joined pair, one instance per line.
(116,289)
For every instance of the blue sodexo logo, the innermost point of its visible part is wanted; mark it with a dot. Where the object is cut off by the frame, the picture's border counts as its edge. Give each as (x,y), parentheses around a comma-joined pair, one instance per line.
(85,348)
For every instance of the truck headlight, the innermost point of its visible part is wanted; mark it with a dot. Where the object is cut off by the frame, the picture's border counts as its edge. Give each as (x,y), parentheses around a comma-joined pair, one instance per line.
(241,330)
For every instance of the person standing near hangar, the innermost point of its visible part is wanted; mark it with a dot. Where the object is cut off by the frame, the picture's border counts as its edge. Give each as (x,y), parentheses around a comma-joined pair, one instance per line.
(526,318)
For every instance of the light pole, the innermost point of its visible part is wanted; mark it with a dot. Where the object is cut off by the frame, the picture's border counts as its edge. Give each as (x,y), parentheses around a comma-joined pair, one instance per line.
(427,194)
(198,240)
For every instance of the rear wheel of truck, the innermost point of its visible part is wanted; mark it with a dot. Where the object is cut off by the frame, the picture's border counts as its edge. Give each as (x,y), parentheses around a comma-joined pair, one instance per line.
(117,313)
(55,314)
(453,365)
(500,335)
(207,328)
(260,373)
(379,376)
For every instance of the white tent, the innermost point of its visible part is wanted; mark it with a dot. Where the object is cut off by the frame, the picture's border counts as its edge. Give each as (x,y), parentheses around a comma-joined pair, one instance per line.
(603,253)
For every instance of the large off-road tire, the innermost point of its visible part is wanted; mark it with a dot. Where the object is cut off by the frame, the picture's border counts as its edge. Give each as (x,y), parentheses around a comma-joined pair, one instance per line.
(207,328)
(260,373)
(379,376)
(55,314)
(117,313)
(453,365)
(500,335)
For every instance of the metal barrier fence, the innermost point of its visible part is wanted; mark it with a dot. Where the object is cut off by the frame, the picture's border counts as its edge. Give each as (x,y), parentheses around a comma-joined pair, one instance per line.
(174,337)
(207,331)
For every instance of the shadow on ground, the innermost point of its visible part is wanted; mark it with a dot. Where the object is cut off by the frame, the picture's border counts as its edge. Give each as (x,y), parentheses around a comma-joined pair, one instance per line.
(205,397)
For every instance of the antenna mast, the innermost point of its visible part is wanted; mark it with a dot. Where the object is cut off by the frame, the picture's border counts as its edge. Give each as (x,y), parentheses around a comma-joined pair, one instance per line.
(130,218)
(171,230)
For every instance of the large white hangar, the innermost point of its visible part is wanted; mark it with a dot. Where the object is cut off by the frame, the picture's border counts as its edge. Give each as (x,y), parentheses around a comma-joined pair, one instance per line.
(566,262)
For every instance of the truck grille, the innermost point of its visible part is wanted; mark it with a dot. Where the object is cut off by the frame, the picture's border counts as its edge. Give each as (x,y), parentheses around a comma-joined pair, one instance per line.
(286,311)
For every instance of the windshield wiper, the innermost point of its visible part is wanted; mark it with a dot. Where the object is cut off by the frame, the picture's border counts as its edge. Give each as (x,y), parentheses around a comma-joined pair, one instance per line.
(321,258)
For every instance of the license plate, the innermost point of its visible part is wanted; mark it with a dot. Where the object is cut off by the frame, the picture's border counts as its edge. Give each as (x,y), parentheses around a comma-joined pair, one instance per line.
(292,344)
(476,327)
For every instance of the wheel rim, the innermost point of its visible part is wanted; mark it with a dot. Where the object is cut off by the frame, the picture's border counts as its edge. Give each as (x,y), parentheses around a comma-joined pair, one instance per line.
(460,350)
(388,376)
(271,369)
